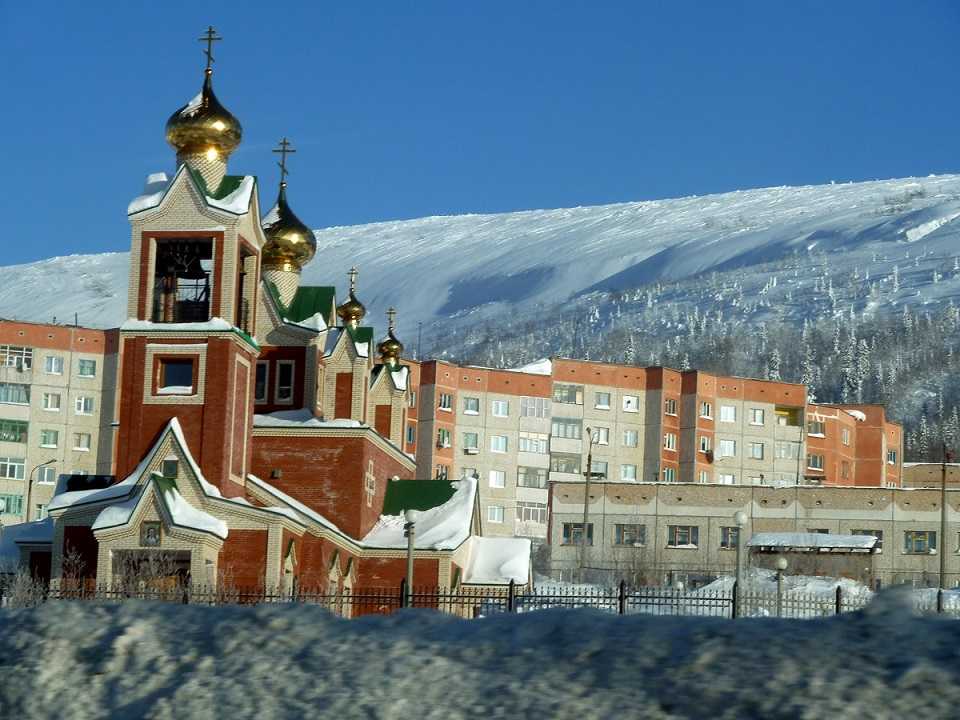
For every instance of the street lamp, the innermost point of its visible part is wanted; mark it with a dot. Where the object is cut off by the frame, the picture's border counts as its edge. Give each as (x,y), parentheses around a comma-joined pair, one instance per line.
(409,532)
(26,514)
(588,475)
(740,519)
(781,566)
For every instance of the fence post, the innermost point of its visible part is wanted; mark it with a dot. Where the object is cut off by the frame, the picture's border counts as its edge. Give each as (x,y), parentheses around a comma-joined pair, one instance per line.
(511,590)
(939,600)
(403,593)
(622,598)
(734,605)
(838,603)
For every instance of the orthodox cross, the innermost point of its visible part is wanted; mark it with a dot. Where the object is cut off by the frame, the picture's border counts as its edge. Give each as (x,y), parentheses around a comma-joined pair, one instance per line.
(284,150)
(210,37)
(353,278)
(391,318)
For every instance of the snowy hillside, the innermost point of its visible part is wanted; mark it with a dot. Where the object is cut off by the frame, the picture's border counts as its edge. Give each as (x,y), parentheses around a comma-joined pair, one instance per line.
(472,266)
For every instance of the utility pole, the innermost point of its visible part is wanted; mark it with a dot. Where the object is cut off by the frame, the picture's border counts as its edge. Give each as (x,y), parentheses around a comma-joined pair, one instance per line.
(26,512)
(410,530)
(946,456)
(588,475)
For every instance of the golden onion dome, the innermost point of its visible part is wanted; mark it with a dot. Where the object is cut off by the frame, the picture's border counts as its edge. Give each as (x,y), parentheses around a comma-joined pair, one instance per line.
(204,126)
(390,348)
(290,244)
(352,311)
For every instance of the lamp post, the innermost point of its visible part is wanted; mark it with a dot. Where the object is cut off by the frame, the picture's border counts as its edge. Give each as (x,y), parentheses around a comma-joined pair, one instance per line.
(588,475)
(781,566)
(945,458)
(740,519)
(409,532)
(26,513)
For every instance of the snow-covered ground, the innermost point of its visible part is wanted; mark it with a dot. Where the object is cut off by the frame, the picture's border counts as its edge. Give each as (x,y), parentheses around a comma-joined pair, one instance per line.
(476,266)
(141,660)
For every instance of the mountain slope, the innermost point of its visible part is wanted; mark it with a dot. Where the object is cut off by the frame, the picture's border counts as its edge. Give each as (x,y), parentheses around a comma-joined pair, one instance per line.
(472,267)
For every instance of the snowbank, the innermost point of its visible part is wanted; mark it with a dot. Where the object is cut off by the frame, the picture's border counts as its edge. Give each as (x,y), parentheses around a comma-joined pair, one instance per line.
(143,660)
(301,418)
(497,561)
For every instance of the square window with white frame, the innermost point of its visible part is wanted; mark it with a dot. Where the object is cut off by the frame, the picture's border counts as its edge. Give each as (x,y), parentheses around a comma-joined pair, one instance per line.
(87,368)
(669,474)
(495,513)
(445,402)
(631,438)
(81,441)
(500,408)
(47,475)
(683,536)
(631,403)
(83,405)
(497,478)
(49,438)
(706,410)
(51,402)
(601,435)
(443,438)
(530,442)
(727,448)
(629,534)
(471,405)
(53,365)
(727,479)
(628,473)
(756,416)
(670,441)
(471,441)
(670,406)
(706,444)
(756,450)
(498,443)
(601,400)
(535,407)
(531,512)
(12,468)
(728,413)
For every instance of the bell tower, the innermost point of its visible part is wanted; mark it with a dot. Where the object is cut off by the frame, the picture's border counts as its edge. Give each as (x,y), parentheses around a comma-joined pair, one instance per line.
(187,348)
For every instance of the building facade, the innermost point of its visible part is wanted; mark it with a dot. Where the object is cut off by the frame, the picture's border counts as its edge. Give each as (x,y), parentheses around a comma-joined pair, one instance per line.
(57,391)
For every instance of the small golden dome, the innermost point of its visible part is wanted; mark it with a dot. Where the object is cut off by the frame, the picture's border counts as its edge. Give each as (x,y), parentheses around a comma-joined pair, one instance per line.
(290,244)
(390,348)
(352,311)
(203,125)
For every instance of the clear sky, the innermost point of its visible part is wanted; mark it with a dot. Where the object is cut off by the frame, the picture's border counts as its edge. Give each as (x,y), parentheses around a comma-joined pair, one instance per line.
(406,109)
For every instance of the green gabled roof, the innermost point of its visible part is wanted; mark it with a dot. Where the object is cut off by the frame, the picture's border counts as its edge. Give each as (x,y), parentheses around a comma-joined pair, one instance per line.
(227,185)
(360,334)
(308,301)
(420,495)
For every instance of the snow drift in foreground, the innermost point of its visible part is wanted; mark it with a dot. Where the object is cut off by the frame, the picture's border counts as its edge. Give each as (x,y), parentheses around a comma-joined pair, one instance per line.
(142,660)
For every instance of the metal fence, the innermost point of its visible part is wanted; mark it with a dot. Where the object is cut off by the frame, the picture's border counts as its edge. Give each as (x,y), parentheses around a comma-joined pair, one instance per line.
(475,602)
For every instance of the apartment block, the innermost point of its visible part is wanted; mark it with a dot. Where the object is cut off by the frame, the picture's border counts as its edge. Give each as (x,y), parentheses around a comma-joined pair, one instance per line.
(57,390)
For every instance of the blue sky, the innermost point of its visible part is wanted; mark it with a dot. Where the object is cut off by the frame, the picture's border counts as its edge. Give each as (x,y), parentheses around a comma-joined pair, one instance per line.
(401,110)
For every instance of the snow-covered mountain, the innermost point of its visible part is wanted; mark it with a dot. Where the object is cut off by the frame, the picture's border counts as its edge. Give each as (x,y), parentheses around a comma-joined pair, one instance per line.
(900,235)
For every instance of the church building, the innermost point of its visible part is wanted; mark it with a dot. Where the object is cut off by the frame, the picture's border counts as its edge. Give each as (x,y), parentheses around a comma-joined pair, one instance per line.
(260,428)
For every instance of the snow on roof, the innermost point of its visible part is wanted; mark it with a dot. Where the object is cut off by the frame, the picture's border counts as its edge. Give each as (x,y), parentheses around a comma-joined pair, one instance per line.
(212,324)
(118,513)
(812,540)
(237,202)
(302,418)
(858,415)
(497,561)
(295,504)
(315,322)
(444,527)
(153,191)
(37,531)
(112,492)
(186,515)
(539,367)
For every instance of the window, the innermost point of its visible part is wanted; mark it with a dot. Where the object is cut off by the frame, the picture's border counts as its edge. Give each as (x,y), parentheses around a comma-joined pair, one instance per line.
(727,479)
(728,413)
(176,377)
(729,538)
(670,406)
(412,401)
(919,542)
(13,431)
(51,402)
(601,435)
(81,441)
(14,393)
(445,402)
(786,450)
(534,443)
(534,407)
(47,475)
(704,476)
(819,531)
(683,536)
(443,438)
(498,443)
(815,462)
(471,441)
(573,534)
(878,534)
(471,406)
(11,504)
(566,428)
(601,400)
(628,472)
(891,457)
(599,467)
(83,405)
(756,416)
(500,408)
(631,403)
(16,356)
(497,478)
(87,368)
(284,389)
(845,436)
(495,513)
(706,410)
(568,394)
(630,438)
(728,448)
(817,428)
(53,365)
(260,382)
(564,463)
(844,470)
(532,512)
(411,434)
(40,511)
(632,535)
(756,450)
(442,472)
(170,468)
(49,438)
(669,474)
(12,468)
(670,441)
(705,444)
(531,477)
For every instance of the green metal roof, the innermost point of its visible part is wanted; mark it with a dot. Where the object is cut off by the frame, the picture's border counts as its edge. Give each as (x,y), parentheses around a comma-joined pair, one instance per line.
(227,185)
(307,302)
(416,495)
(361,334)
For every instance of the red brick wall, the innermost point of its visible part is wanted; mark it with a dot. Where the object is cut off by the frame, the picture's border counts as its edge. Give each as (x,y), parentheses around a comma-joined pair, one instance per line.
(388,572)
(343,400)
(241,424)
(272,355)
(243,558)
(382,417)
